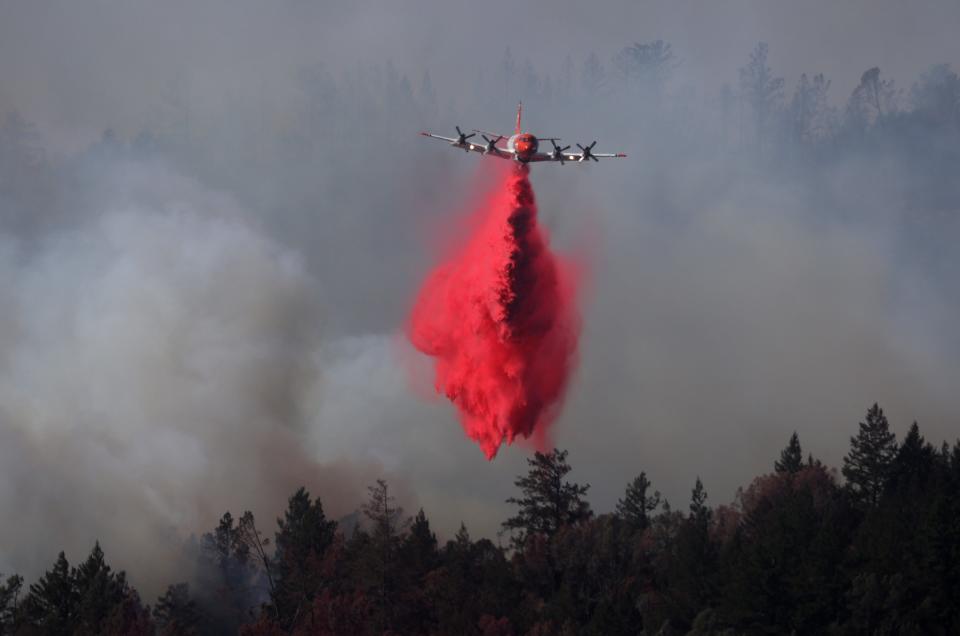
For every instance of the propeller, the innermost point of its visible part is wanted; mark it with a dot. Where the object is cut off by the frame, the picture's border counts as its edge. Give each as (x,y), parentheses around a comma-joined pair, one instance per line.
(462,138)
(491,144)
(588,152)
(558,152)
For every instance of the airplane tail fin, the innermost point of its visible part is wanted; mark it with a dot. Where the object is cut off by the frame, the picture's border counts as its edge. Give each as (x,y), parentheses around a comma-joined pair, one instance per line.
(519,113)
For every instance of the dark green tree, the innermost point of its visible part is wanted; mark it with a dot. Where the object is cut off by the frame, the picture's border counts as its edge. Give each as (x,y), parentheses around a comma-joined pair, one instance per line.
(380,573)
(89,599)
(130,617)
(548,503)
(636,506)
(791,457)
(419,550)
(872,452)
(474,580)
(224,544)
(913,466)
(451,592)
(303,537)
(176,614)
(699,511)
(100,592)
(600,568)
(53,601)
(781,572)
(227,579)
(418,559)
(251,547)
(9,604)
(689,568)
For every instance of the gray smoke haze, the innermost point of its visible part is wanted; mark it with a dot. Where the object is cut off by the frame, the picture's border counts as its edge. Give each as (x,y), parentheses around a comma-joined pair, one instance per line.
(154,367)
(205,308)
(241,54)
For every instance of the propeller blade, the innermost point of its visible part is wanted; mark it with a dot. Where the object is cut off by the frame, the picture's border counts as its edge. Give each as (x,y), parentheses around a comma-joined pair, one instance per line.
(558,152)
(580,147)
(592,145)
(492,143)
(594,158)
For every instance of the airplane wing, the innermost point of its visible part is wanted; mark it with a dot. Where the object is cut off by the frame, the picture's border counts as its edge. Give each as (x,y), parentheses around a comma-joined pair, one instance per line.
(489,134)
(469,146)
(576,157)
(429,134)
(544,156)
(586,152)
(500,153)
(453,141)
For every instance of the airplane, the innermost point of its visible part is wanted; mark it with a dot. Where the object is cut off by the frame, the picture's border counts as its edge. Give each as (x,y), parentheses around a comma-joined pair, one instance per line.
(522,147)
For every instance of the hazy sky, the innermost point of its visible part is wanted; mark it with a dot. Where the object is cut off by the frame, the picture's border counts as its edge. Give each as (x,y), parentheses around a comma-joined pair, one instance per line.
(80,66)
(174,345)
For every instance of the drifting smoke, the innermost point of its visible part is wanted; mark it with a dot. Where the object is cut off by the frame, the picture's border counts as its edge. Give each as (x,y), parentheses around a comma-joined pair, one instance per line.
(155,365)
(500,320)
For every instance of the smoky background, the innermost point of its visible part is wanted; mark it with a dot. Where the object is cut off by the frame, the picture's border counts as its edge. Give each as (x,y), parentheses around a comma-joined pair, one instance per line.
(214,217)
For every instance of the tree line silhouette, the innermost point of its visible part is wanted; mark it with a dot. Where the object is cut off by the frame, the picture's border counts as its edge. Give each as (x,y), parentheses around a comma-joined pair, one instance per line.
(800,550)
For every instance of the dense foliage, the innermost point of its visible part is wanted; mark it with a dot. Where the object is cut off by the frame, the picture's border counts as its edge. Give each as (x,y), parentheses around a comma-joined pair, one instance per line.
(796,552)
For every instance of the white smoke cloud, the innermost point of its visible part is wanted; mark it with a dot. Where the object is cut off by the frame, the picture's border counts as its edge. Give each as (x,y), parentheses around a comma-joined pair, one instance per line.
(154,361)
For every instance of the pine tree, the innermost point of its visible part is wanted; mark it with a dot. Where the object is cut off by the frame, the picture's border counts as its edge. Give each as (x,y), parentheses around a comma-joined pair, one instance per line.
(251,546)
(548,502)
(53,600)
(698,502)
(227,577)
(872,452)
(129,617)
(176,613)
(100,591)
(636,506)
(304,535)
(791,457)
(9,604)
(761,90)
(420,546)
(379,566)
(417,562)
(871,101)
(690,563)
(225,546)
(913,464)
(475,580)
(645,67)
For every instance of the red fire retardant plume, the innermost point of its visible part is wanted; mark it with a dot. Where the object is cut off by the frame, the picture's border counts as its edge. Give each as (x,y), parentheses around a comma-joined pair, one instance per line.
(500,321)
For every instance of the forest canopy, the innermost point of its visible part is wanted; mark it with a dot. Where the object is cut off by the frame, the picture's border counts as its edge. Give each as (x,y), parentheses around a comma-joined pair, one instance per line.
(799,550)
